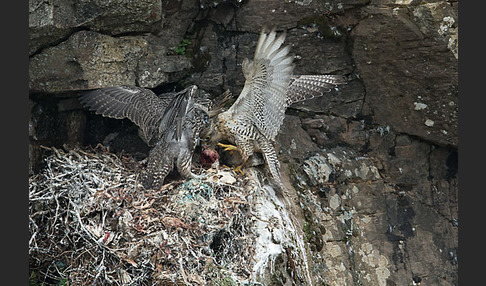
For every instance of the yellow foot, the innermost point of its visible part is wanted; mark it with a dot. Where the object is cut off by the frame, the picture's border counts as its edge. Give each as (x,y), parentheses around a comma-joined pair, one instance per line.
(228,147)
(238,170)
(235,169)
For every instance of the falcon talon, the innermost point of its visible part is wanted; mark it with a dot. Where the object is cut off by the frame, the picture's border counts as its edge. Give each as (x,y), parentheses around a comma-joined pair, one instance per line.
(225,166)
(238,169)
(228,147)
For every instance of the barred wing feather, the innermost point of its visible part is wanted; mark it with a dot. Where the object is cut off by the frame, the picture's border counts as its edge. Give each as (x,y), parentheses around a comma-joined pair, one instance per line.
(305,87)
(263,98)
(151,113)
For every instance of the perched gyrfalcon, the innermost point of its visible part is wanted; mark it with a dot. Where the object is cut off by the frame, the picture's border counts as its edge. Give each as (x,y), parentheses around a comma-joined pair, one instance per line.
(254,119)
(170,123)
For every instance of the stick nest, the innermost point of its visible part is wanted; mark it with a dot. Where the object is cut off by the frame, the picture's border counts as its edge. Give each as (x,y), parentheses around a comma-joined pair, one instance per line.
(92,223)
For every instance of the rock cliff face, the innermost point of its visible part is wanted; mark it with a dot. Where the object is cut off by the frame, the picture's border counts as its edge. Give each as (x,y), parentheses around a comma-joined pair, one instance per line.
(373,165)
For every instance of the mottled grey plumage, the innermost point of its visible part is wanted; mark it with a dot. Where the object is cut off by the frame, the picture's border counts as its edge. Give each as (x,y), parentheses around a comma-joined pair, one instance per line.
(170,123)
(254,119)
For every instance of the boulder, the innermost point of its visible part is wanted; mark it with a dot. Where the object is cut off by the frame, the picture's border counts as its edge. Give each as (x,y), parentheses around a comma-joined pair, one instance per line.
(88,60)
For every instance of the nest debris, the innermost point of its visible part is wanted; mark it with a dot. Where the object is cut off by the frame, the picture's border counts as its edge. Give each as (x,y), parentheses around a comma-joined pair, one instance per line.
(91,222)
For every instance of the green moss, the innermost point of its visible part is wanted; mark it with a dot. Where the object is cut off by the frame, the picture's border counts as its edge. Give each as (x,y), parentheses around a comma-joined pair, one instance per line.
(307,230)
(181,49)
(313,235)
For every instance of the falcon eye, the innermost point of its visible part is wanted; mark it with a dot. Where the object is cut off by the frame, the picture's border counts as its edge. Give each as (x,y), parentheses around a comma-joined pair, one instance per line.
(206,119)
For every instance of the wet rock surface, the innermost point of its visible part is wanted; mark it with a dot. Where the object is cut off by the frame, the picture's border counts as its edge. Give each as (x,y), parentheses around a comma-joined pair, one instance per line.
(371,167)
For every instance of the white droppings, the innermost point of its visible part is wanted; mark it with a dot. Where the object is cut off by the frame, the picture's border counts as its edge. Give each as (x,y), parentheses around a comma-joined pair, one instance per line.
(429,122)
(293,144)
(419,105)
(303,2)
(403,2)
(447,23)
(333,159)
(383,130)
(276,230)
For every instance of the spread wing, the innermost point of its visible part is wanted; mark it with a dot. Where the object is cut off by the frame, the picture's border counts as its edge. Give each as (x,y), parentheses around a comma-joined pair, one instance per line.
(176,111)
(263,98)
(151,113)
(305,87)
